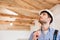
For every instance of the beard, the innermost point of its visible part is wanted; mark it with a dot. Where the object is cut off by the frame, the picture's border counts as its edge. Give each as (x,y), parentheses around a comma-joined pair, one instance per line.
(42,22)
(44,26)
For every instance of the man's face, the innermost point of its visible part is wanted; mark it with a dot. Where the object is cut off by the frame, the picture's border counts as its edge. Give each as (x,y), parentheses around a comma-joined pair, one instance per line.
(44,17)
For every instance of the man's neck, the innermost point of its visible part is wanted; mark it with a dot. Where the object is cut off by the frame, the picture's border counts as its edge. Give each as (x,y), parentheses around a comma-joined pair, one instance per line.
(45,32)
(45,27)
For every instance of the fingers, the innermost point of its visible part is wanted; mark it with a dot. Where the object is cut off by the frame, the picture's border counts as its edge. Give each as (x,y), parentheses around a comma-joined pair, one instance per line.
(35,38)
(36,35)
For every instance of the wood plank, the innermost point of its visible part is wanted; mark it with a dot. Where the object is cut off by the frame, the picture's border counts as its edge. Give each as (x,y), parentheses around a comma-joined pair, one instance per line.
(24,5)
(13,27)
(20,16)
(34,3)
(19,28)
(46,4)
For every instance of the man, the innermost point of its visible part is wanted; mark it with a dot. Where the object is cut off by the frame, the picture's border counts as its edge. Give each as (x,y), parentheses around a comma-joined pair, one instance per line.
(46,32)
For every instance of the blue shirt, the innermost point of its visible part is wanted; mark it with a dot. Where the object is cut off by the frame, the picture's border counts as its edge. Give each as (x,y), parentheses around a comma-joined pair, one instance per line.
(48,36)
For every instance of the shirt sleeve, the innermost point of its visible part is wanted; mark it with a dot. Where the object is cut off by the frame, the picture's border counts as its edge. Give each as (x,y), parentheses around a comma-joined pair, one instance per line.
(31,36)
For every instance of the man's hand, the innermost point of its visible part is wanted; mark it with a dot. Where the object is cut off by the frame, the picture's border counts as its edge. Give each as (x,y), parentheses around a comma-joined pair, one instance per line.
(36,35)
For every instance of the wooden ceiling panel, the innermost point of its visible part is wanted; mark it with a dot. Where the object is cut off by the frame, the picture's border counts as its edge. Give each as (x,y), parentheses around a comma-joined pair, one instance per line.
(34,3)
(52,1)
(5,25)
(27,10)
(19,28)
(23,4)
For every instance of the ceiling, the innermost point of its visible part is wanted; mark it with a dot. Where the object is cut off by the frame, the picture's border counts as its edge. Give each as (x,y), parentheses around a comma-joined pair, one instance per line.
(26,10)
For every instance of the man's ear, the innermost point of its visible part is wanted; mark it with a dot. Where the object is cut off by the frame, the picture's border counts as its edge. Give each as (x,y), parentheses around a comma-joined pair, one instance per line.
(49,19)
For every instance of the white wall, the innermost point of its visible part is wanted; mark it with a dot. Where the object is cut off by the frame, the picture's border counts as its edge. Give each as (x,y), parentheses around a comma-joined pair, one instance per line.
(56,13)
(14,35)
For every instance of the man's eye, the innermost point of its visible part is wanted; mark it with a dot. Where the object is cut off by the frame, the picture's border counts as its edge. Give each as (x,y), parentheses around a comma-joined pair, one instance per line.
(43,14)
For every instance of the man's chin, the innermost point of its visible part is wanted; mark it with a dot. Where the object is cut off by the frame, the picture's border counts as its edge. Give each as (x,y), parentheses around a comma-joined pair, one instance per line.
(42,21)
